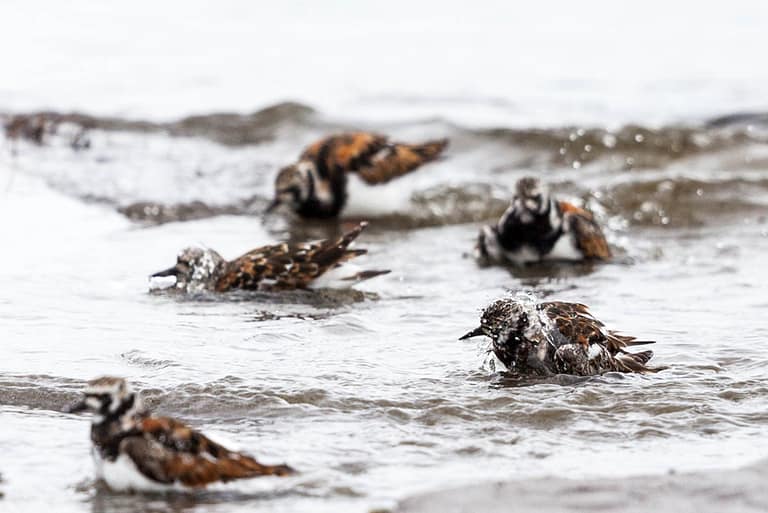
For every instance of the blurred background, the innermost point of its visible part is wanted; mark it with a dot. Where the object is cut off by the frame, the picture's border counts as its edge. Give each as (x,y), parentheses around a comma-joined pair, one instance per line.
(510,64)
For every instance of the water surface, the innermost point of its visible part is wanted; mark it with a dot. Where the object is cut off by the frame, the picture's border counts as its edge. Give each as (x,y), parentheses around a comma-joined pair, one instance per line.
(370,394)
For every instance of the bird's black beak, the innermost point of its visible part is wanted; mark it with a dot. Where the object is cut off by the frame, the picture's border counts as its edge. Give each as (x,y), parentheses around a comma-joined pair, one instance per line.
(77,407)
(272,206)
(474,333)
(171,271)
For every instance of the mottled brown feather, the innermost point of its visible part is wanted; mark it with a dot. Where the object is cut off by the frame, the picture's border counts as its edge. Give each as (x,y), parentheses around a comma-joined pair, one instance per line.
(289,266)
(576,323)
(344,153)
(400,159)
(342,149)
(589,236)
(168,451)
(370,155)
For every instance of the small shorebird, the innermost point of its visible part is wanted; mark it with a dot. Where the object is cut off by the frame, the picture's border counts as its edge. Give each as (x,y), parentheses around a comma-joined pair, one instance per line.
(316,185)
(557,338)
(269,268)
(537,227)
(136,451)
(38,129)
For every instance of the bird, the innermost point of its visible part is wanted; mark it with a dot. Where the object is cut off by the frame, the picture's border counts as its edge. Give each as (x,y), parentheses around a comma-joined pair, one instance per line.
(316,185)
(134,450)
(537,227)
(557,337)
(275,267)
(39,128)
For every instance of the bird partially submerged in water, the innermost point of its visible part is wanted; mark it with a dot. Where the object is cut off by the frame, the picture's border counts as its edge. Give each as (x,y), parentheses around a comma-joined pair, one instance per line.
(537,227)
(556,337)
(268,268)
(136,451)
(316,185)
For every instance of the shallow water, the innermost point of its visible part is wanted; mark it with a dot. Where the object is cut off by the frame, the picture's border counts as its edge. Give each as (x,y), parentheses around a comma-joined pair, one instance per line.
(369,393)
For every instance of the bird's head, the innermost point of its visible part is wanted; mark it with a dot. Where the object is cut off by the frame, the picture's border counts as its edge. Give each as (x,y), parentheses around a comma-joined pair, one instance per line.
(196,270)
(107,399)
(531,199)
(500,316)
(518,337)
(293,185)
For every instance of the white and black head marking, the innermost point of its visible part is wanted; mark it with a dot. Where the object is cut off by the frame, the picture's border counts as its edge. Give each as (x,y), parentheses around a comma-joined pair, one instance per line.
(503,315)
(293,185)
(515,331)
(531,198)
(196,268)
(108,399)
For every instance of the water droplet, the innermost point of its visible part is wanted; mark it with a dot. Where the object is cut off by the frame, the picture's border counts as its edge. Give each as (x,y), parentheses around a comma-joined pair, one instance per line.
(639,138)
(576,164)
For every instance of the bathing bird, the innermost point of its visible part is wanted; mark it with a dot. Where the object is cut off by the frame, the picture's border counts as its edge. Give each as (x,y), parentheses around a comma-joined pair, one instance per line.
(275,267)
(316,185)
(134,450)
(557,337)
(537,227)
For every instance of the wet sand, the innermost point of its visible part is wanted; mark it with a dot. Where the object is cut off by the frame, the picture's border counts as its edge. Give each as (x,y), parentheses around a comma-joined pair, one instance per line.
(722,491)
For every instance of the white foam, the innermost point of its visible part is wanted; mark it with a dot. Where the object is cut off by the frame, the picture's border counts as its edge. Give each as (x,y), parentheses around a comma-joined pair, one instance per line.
(365,200)
(564,249)
(161,282)
(335,278)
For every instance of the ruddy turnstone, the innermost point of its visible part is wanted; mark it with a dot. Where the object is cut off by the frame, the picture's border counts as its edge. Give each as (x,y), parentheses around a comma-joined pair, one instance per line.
(38,128)
(278,267)
(556,338)
(316,186)
(537,227)
(136,451)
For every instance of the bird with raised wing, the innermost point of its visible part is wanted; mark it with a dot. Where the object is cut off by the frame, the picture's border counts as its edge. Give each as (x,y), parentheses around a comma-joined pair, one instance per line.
(316,185)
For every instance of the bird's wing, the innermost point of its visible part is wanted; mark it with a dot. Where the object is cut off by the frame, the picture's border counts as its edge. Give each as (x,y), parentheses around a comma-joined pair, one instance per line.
(396,160)
(290,266)
(344,153)
(168,451)
(575,322)
(589,236)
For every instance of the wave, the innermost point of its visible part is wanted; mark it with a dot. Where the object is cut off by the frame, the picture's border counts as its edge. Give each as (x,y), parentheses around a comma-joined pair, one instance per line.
(224,127)
(683,175)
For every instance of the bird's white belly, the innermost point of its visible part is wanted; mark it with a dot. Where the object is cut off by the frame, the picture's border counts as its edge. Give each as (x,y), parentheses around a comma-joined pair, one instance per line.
(564,249)
(524,255)
(122,475)
(335,278)
(365,200)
